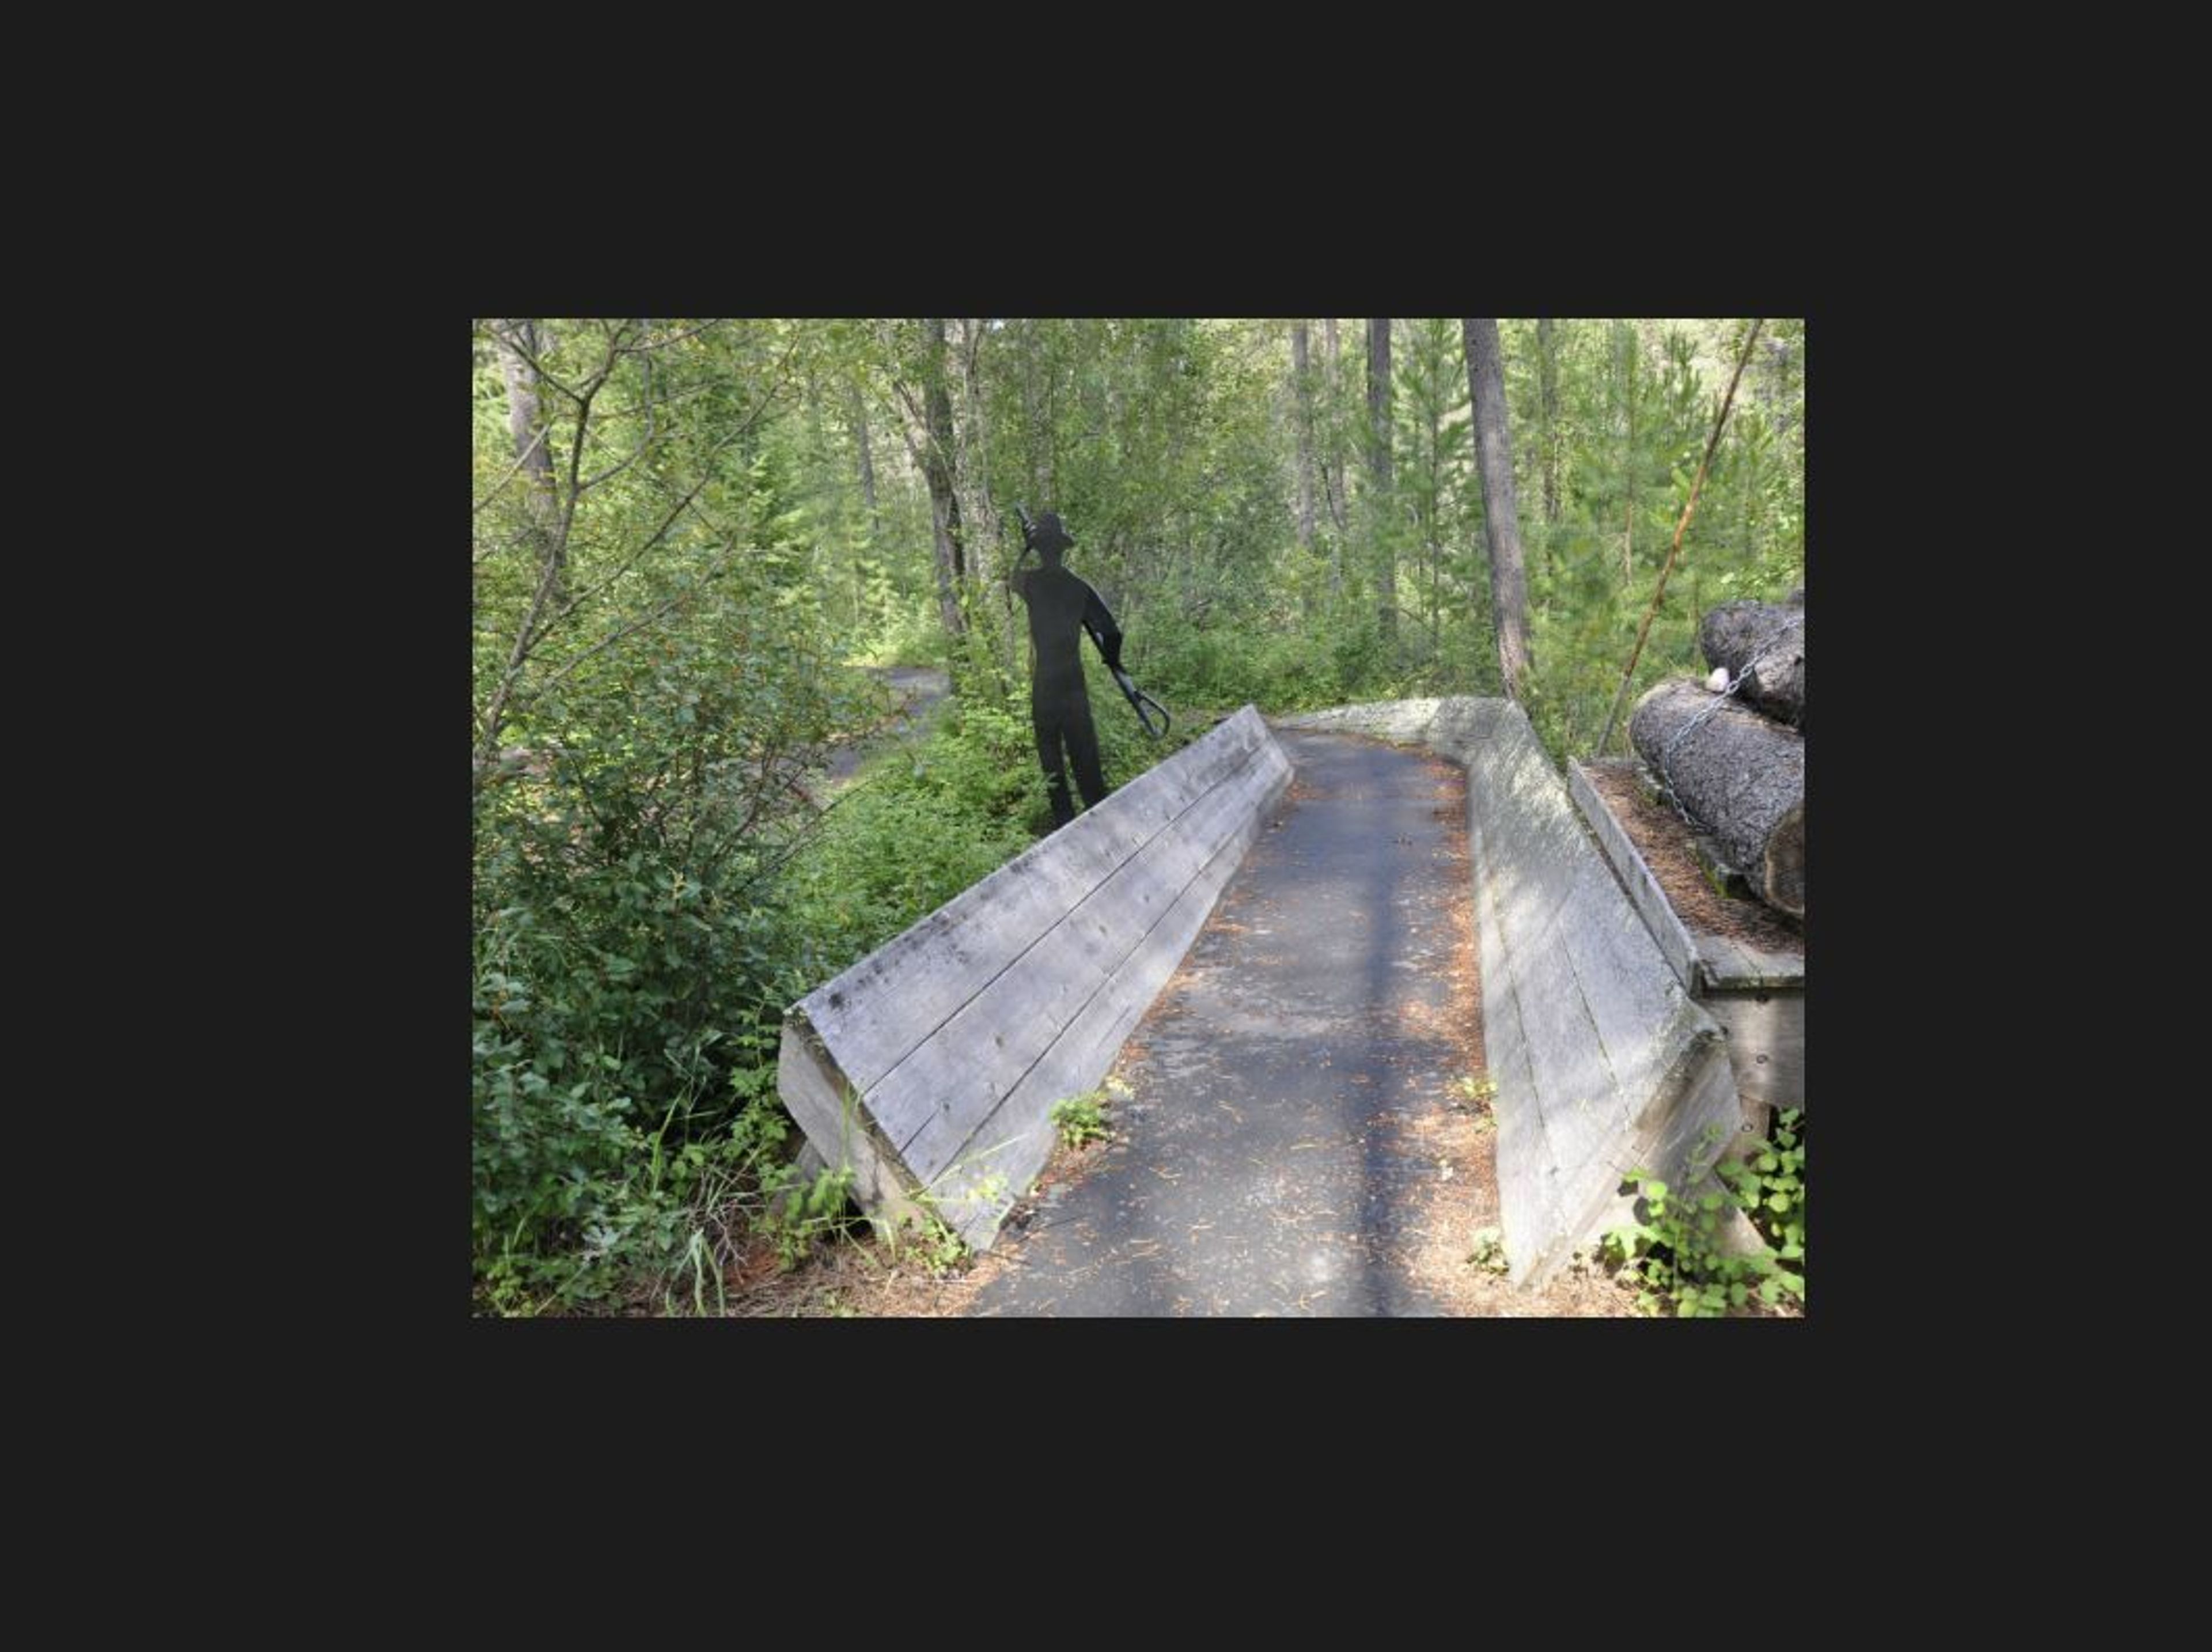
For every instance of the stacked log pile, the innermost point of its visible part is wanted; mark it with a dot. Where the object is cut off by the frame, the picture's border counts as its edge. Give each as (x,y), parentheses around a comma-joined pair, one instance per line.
(1730,749)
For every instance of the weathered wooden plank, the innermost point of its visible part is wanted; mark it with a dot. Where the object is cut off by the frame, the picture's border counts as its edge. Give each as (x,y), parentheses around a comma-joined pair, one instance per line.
(1532,1217)
(1450,726)
(1692,1123)
(1690,1117)
(1723,960)
(939,963)
(1607,941)
(1536,845)
(1604,1057)
(1637,879)
(1008,1149)
(931,1102)
(1783,970)
(1734,966)
(836,1127)
(1161,952)
(875,1012)
(1057,954)
(1583,1103)
(1766,1047)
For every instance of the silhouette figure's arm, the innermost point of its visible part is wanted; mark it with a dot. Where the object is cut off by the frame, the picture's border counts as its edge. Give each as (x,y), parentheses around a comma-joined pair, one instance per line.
(1098,620)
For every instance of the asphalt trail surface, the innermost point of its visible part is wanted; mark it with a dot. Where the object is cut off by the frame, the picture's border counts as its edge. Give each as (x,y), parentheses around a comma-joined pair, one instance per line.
(1273,1155)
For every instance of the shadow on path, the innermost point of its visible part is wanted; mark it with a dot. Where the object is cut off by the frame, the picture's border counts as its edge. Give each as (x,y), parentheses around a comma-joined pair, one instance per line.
(1269,1159)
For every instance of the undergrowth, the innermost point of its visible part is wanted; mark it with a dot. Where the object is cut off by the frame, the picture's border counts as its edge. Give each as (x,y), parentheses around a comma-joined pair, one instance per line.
(1677,1254)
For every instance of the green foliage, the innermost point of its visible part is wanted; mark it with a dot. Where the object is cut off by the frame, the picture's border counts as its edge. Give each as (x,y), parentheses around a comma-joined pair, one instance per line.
(1479,1096)
(930,1240)
(1082,1119)
(629,956)
(653,878)
(1677,1254)
(923,824)
(1489,1251)
(798,1212)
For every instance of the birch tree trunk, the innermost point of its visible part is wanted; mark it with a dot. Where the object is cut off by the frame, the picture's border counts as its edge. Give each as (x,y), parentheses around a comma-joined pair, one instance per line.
(533,446)
(943,498)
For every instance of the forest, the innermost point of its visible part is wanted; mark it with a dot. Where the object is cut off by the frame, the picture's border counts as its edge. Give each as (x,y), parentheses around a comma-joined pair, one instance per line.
(700,546)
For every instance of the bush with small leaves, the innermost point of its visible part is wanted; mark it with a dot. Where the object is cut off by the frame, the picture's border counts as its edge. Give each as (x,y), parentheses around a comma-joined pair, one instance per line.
(1676,1252)
(1082,1119)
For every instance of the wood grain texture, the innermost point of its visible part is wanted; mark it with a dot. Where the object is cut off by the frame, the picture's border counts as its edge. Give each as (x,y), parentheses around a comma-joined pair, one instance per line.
(1638,880)
(876,1011)
(931,1102)
(932,1063)
(1008,1148)
(1603,1061)
(1767,1046)
(825,1106)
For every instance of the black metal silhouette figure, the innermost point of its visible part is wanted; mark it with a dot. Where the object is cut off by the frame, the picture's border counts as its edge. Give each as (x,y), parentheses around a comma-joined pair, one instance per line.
(1063,606)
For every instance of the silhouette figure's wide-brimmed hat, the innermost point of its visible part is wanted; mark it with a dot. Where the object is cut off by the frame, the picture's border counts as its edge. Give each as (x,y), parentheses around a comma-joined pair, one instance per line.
(1047,534)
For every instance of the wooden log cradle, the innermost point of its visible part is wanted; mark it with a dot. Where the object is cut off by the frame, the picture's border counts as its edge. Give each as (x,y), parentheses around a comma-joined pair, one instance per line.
(1740,775)
(1755,990)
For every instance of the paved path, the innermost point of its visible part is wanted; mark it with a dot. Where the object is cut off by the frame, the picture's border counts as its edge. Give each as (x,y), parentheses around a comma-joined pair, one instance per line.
(1282,1151)
(918,690)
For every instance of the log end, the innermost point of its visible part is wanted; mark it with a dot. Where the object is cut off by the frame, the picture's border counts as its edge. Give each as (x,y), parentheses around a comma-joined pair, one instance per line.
(1784,879)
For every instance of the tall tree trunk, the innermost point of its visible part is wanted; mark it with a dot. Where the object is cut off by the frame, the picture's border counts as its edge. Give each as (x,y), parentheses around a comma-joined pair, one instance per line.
(1774,381)
(1335,445)
(856,415)
(944,499)
(1378,471)
(1036,434)
(533,446)
(857,411)
(1508,586)
(1628,458)
(1432,533)
(1548,381)
(1302,405)
(974,469)
(983,517)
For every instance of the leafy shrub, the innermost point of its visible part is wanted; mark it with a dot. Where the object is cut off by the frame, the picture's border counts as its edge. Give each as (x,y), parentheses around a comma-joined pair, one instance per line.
(1081,1119)
(1677,1254)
